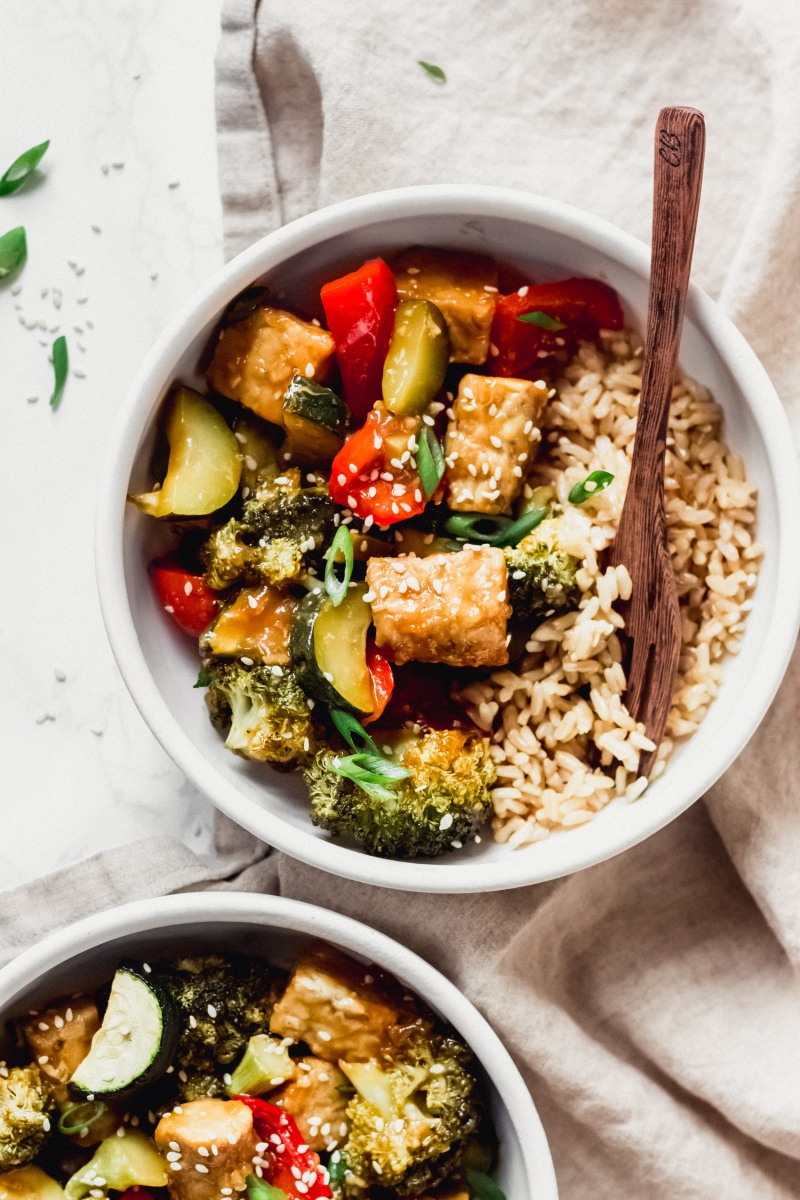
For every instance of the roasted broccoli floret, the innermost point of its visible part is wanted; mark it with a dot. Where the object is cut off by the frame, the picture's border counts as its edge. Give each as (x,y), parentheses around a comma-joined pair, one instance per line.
(25,1102)
(541,576)
(222,1003)
(443,802)
(265,715)
(411,1117)
(281,524)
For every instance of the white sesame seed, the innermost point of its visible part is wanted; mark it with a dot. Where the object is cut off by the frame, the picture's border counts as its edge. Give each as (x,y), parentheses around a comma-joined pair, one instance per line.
(495,440)
(309,370)
(202,1168)
(523,291)
(212,1012)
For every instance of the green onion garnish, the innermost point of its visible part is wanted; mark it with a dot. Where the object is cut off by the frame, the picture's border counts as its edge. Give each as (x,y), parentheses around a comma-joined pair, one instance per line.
(350,729)
(592,484)
(430,461)
(434,71)
(371,772)
(337,588)
(21,168)
(13,251)
(203,679)
(494,531)
(259,1189)
(60,369)
(80,1116)
(542,320)
(483,1187)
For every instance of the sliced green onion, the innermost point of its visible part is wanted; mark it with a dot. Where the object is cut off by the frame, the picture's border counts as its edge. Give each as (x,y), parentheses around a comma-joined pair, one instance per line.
(476,527)
(337,588)
(371,772)
(542,320)
(434,71)
(21,168)
(203,679)
(60,369)
(350,728)
(13,251)
(430,461)
(592,484)
(494,531)
(484,1187)
(259,1189)
(80,1116)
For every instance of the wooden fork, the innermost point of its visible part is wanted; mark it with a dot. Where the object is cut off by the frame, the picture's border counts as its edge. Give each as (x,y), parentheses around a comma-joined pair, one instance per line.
(652,621)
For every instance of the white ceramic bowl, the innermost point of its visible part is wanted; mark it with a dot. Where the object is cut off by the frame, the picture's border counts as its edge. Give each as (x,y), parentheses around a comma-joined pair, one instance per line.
(551,240)
(84,954)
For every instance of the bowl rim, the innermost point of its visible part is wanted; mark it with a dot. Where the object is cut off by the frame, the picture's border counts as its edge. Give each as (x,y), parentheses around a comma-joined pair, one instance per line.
(151,915)
(519,868)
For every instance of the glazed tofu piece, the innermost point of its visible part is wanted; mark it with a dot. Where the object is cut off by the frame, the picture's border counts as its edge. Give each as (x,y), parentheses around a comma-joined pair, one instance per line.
(328,1006)
(256,358)
(446,608)
(491,441)
(191,1133)
(463,286)
(318,1102)
(60,1037)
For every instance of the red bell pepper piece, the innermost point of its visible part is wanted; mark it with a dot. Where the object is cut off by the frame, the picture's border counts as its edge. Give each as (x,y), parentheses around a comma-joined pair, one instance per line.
(382,677)
(364,479)
(286,1149)
(582,306)
(185,596)
(360,312)
(421,696)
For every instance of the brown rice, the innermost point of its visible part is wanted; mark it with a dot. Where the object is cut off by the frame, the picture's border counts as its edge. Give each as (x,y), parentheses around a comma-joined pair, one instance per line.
(564,743)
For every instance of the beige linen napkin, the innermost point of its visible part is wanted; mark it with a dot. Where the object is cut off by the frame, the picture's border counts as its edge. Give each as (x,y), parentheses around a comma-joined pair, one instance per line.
(652,1002)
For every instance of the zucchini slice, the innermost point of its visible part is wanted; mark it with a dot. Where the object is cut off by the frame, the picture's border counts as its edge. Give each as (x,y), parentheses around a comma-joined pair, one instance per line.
(136,1041)
(316,420)
(329,649)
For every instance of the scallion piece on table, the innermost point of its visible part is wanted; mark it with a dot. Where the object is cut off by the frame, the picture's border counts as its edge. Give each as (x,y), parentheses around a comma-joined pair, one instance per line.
(430,461)
(350,729)
(335,587)
(371,772)
(434,71)
(598,481)
(60,369)
(13,251)
(22,168)
(542,320)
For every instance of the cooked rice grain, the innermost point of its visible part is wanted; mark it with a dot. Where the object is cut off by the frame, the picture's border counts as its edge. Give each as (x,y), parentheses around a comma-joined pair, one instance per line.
(561,757)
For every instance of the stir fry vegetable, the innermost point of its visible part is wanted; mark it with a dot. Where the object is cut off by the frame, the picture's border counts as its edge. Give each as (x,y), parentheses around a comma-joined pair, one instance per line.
(366,523)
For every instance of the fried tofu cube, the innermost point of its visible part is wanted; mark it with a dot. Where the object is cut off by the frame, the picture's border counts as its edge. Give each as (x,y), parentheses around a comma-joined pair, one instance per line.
(446,608)
(317,1099)
(256,358)
(194,1128)
(328,1006)
(60,1037)
(463,286)
(491,441)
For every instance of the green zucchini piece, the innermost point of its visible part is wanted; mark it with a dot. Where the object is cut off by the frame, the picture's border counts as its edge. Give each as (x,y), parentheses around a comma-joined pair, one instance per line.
(265,1065)
(121,1162)
(328,647)
(417,359)
(136,1041)
(417,541)
(256,623)
(205,464)
(258,444)
(316,421)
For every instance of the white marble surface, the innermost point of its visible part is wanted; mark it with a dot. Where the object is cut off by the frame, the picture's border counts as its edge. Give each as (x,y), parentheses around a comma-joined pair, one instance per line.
(110,82)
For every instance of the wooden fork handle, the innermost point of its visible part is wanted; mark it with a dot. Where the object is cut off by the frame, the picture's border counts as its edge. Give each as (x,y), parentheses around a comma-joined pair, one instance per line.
(679,151)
